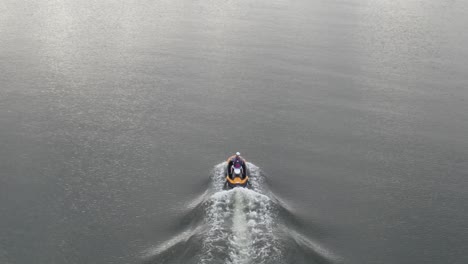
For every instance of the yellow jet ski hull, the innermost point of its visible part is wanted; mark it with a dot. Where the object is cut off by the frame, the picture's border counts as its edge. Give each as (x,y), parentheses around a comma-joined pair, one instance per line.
(237,181)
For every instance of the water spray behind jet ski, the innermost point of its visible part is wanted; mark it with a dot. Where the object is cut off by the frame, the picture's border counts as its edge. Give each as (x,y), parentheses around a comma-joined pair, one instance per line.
(239,226)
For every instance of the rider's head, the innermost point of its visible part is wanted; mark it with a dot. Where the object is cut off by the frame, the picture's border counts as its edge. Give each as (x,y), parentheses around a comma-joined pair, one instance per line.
(237,153)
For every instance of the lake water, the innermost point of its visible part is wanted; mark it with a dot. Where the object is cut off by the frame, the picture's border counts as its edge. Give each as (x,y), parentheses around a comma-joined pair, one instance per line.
(116,118)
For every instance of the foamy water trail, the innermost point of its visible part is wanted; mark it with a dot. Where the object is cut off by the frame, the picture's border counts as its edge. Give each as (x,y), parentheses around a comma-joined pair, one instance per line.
(240,223)
(240,241)
(237,226)
(242,217)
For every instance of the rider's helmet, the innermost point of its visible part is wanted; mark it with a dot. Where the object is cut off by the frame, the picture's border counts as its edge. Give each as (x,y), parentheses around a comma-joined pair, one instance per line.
(238,153)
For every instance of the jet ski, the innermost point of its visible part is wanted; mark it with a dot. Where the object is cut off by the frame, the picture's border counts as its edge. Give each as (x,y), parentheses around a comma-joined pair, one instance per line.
(236,175)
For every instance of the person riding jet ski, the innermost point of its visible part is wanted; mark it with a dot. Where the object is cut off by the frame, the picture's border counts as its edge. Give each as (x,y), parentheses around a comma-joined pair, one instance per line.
(236,172)
(236,163)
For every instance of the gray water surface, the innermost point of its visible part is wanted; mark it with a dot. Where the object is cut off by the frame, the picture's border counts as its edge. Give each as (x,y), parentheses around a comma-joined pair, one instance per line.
(114,116)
